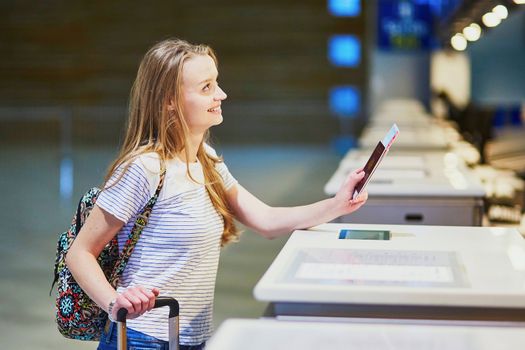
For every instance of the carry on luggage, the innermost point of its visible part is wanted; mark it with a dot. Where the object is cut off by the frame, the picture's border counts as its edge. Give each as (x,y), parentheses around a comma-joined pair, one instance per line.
(173,323)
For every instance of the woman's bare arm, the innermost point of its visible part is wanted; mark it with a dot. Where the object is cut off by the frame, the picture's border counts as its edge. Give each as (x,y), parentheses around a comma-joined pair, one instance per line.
(272,222)
(100,227)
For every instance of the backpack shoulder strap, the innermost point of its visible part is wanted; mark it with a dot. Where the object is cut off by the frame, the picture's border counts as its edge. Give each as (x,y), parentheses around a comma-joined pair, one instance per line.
(140,222)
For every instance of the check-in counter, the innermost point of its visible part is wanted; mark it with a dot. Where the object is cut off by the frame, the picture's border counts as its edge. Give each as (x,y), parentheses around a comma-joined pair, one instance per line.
(264,334)
(422,272)
(417,137)
(402,120)
(432,188)
(401,106)
(410,124)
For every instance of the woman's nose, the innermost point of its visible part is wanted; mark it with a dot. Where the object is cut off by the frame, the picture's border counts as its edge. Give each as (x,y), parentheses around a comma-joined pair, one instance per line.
(221,95)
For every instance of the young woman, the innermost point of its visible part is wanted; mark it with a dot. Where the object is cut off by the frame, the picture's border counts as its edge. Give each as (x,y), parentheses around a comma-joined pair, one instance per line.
(175,100)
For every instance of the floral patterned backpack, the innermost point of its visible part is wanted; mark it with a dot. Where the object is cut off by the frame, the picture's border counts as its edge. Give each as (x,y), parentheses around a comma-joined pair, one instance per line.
(77,316)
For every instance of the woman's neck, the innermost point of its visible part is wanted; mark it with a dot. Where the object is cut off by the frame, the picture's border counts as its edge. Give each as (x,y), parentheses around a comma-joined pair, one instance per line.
(193,144)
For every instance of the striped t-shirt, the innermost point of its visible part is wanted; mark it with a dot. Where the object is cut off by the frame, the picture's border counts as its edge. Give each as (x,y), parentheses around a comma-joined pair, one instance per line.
(178,251)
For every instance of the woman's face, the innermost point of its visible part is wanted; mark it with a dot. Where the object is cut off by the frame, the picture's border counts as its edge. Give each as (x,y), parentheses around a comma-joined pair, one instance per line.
(201,93)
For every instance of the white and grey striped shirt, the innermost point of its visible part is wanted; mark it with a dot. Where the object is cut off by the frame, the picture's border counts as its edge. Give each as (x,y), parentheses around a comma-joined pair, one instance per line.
(178,251)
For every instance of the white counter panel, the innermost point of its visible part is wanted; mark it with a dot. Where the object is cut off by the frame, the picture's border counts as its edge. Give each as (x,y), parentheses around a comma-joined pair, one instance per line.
(264,334)
(480,267)
(411,174)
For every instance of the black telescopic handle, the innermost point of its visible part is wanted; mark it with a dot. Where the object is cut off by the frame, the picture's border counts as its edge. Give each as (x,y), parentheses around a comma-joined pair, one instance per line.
(159,302)
(168,301)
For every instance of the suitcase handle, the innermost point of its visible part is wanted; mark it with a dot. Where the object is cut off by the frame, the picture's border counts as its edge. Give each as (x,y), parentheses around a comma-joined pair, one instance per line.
(159,302)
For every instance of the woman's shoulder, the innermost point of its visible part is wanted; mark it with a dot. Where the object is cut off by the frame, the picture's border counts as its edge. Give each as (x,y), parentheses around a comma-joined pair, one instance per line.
(148,164)
(149,160)
(140,169)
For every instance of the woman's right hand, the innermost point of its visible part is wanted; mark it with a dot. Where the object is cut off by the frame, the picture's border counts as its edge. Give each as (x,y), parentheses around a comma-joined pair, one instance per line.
(137,300)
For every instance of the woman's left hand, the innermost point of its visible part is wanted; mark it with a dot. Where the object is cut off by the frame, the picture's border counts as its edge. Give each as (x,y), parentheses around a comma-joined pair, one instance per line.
(344,196)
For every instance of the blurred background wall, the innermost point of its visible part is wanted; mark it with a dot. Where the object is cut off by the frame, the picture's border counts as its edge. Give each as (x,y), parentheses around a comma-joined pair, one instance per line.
(273,60)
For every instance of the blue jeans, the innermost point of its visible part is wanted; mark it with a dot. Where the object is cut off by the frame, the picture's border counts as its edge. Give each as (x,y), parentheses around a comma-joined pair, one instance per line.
(138,341)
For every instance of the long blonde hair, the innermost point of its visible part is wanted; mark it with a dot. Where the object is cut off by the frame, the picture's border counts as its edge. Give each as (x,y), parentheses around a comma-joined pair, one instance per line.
(151,127)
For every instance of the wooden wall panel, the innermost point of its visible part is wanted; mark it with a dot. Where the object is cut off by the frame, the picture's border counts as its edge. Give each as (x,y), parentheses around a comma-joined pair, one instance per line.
(272,55)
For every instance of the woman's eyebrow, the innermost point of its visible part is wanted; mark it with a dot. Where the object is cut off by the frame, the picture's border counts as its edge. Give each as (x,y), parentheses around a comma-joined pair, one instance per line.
(205,81)
(209,79)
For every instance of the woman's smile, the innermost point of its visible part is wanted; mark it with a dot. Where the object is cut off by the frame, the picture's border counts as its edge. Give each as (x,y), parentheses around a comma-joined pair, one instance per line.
(215,110)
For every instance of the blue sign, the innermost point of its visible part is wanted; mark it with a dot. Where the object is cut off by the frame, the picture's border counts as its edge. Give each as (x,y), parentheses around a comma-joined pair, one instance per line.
(404,25)
(344,50)
(345,101)
(344,8)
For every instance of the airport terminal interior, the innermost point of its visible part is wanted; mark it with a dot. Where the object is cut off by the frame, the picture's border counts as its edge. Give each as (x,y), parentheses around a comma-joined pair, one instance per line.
(427,95)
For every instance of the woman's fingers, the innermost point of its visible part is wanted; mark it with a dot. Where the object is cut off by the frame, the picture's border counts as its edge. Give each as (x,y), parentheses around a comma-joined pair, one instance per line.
(144,299)
(137,300)
(363,196)
(134,300)
(346,192)
(356,176)
(121,302)
(353,180)
(148,298)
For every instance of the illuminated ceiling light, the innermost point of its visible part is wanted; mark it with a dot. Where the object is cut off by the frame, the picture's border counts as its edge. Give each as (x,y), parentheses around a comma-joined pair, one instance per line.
(519,2)
(458,42)
(472,32)
(490,19)
(501,11)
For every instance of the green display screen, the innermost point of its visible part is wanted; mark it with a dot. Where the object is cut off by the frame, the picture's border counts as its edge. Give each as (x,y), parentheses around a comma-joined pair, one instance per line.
(364,234)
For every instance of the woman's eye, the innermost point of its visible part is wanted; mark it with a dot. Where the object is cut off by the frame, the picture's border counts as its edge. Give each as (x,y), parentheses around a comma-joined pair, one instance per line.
(206,87)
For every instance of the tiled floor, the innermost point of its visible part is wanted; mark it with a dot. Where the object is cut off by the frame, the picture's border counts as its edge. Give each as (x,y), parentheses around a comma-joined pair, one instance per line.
(32,215)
